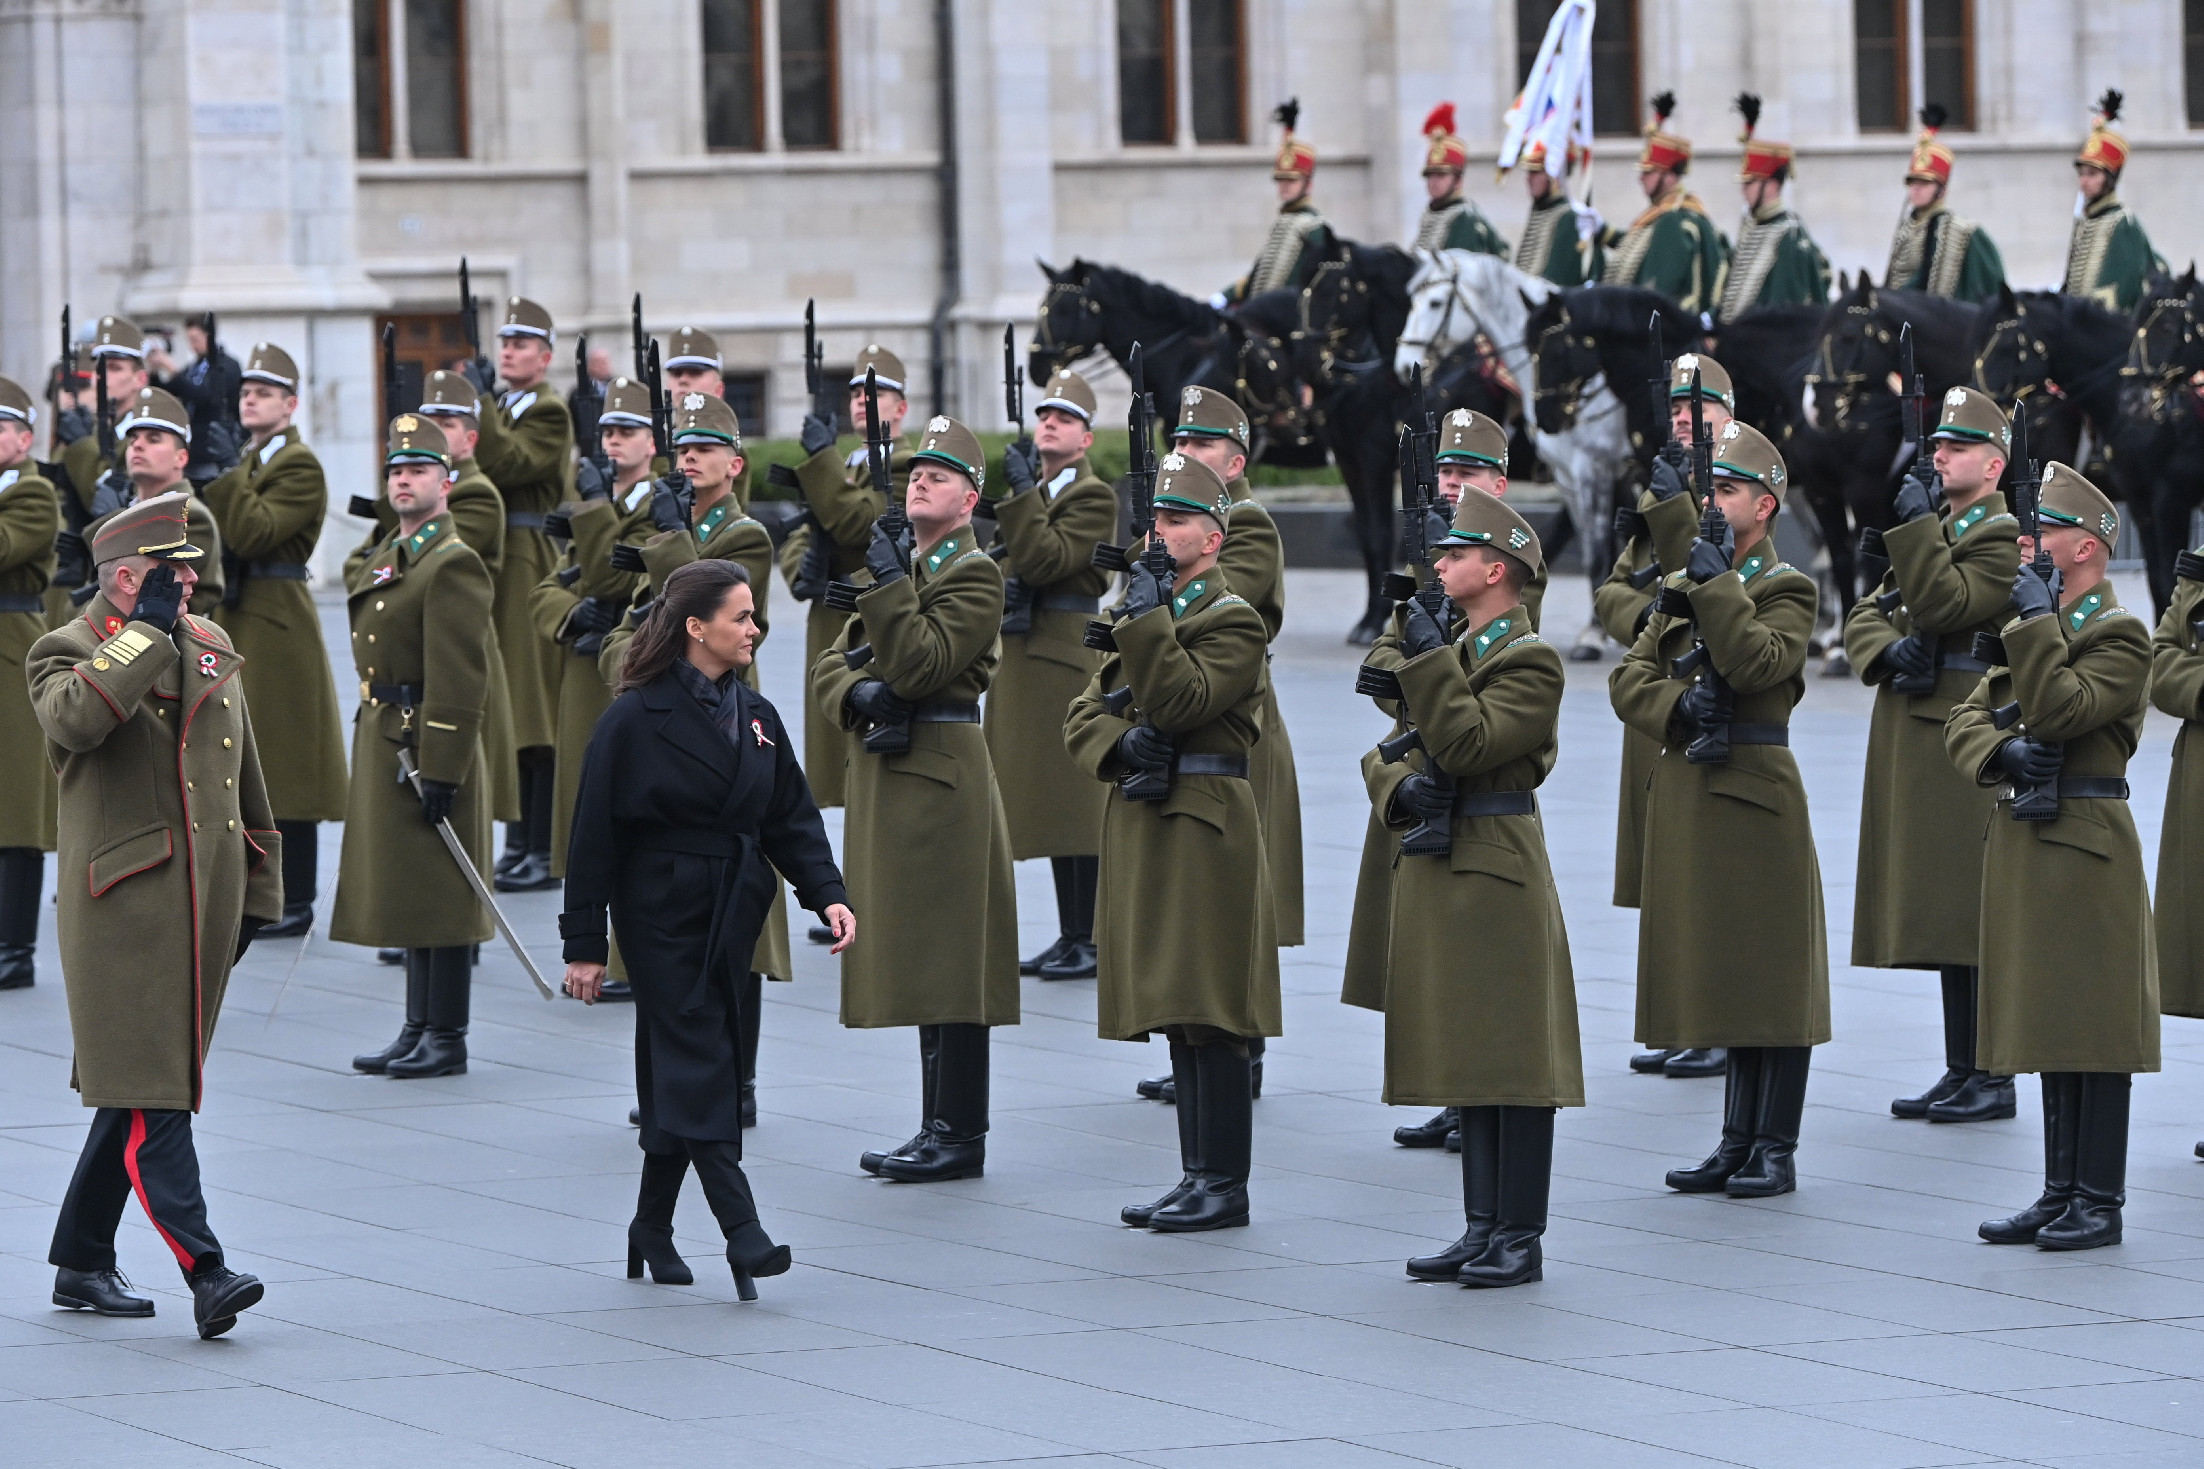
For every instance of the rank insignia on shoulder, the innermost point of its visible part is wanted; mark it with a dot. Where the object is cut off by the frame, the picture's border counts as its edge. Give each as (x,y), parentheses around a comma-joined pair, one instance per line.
(126,645)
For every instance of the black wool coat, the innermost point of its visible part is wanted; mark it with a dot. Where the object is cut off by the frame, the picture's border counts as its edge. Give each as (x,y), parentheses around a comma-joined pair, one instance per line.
(677,833)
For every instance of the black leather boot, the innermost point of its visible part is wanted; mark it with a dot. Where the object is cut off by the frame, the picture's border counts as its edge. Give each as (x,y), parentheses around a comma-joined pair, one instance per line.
(1188,1087)
(1480,1129)
(751,1253)
(1696,1062)
(1768,1169)
(2062,1105)
(417,1017)
(750,998)
(1428,1134)
(1740,1107)
(1649,1063)
(218,1293)
(1164,1089)
(1980,1098)
(929,1088)
(1959,989)
(516,832)
(650,1233)
(1514,1256)
(22,874)
(443,1048)
(102,1292)
(1256,1046)
(1075,903)
(1225,1116)
(2092,1220)
(954,1144)
(1060,870)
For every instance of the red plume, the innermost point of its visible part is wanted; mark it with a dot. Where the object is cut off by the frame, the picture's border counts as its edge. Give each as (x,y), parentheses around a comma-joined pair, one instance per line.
(1441,120)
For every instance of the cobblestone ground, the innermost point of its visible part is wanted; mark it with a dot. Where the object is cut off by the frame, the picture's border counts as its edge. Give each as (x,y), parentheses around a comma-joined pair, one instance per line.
(444,1258)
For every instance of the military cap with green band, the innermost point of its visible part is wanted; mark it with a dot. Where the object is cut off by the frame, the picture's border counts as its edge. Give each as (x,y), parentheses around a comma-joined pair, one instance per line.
(1743,452)
(118,337)
(268,363)
(1468,437)
(15,403)
(1971,417)
(524,318)
(1186,483)
(887,369)
(159,527)
(626,402)
(447,394)
(416,438)
(705,418)
(1714,379)
(1207,413)
(1069,391)
(692,347)
(2070,499)
(949,442)
(154,408)
(1484,519)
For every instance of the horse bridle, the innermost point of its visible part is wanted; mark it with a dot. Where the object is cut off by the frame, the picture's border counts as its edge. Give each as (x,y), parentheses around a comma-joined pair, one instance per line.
(2162,379)
(1438,334)
(1571,392)
(2014,394)
(1845,386)
(1062,355)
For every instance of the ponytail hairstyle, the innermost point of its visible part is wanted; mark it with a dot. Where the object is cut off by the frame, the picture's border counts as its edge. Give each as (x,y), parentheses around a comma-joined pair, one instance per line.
(697,590)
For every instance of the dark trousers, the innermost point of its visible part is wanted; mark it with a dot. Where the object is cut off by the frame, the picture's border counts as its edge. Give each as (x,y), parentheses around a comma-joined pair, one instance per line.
(142,1151)
(301,863)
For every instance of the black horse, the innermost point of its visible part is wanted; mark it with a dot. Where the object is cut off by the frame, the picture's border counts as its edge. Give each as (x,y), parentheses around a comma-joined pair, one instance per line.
(2055,358)
(1578,334)
(2158,447)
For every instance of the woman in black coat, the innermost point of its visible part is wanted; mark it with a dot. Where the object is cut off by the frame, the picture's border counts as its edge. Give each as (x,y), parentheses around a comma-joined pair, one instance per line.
(691,801)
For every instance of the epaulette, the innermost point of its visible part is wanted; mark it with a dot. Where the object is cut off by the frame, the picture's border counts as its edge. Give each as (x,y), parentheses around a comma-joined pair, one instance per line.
(1226,599)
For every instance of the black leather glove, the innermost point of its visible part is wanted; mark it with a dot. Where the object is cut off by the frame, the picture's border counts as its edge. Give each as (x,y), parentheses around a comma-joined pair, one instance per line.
(1143,747)
(1021,466)
(878,703)
(1420,632)
(1145,590)
(72,559)
(2030,761)
(1645,615)
(112,493)
(1917,495)
(2032,596)
(1910,655)
(72,425)
(671,499)
(593,614)
(1629,525)
(1423,797)
(362,506)
(223,442)
(625,557)
(482,376)
(160,599)
(1709,559)
(817,432)
(591,482)
(436,799)
(884,556)
(1668,475)
(248,929)
(558,524)
(1698,707)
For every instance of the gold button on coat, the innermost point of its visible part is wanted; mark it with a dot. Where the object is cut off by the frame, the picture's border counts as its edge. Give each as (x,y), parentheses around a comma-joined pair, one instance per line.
(225,742)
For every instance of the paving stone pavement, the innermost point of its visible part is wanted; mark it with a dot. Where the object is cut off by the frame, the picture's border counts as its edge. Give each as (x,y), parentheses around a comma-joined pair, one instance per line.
(444,1258)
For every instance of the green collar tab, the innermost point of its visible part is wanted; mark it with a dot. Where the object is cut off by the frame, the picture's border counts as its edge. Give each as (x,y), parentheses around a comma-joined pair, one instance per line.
(710,522)
(1754,564)
(1495,632)
(1187,598)
(422,537)
(2085,609)
(1968,520)
(942,554)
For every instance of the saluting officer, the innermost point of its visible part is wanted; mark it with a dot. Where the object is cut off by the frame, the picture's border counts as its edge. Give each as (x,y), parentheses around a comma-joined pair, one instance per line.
(421,607)
(1732,948)
(30,515)
(1451,221)
(171,861)
(2069,969)
(527,450)
(270,508)
(1050,512)
(1662,528)
(925,842)
(1919,890)
(2177,687)
(1480,1014)
(1188,940)
(156,446)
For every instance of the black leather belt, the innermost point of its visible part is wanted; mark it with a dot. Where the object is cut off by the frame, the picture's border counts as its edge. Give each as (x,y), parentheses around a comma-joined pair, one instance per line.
(280,570)
(1066,602)
(1496,803)
(946,714)
(524,519)
(1232,765)
(2092,788)
(22,602)
(696,843)
(1962,663)
(1759,734)
(404,695)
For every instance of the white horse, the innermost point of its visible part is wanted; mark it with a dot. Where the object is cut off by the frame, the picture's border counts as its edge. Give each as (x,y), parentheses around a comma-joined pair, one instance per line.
(1454,295)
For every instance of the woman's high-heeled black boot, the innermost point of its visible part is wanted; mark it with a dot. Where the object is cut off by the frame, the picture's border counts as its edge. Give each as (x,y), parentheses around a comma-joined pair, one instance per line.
(751,1253)
(650,1236)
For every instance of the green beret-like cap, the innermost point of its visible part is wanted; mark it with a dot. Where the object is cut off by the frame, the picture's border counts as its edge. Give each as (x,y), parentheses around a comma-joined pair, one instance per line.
(887,368)
(1484,519)
(1210,414)
(626,402)
(448,392)
(1069,391)
(1743,452)
(1468,437)
(119,337)
(15,403)
(524,318)
(949,442)
(2070,499)
(416,438)
(1972,417)
(268,363)
(1186,483)
(1714,379)
(155,408)
(705,417)
(693,347)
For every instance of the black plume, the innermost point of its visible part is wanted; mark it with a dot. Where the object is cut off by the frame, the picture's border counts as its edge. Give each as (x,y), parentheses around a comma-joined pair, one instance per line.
(2108,106)
(1934,116)
(1748,104)
(1287,114)
(1664,103)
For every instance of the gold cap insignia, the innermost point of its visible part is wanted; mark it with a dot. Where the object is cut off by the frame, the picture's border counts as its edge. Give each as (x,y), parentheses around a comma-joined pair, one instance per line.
(406,423)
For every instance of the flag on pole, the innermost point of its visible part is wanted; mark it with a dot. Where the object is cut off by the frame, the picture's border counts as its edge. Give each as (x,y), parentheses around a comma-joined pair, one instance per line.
(1555,106)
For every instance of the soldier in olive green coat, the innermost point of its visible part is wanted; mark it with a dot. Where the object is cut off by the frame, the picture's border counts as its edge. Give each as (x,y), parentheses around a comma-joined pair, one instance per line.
(925,842)
(1726,824)
(1920,867)
(527,450)
(2177,687)
(166,838)
(2069,966)
(30,515)
(420,606)
(1050,513)
(270,509)
(1189,945)
(1480,1000)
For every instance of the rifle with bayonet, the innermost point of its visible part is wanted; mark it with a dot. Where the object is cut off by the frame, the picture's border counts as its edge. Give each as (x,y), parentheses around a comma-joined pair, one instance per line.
(470,321)
(1018,593)
(2031,802)
(892,737)
(816,567)
(1711,744)
(72,556)
(1630,523)
(363,506)
(589,406)
(1154,558)
(1872,550)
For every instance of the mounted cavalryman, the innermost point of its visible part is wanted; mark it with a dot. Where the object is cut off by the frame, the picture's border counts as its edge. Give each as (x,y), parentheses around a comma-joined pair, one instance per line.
(2109,257)
(1673,247)
(1451,222)
(1934,249)
(1776,262)
(1298,235)
(1552,246)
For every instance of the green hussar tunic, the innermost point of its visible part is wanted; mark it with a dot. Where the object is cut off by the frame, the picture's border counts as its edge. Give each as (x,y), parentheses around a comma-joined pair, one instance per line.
(1480,999)
(1297,241)
(1938,252)
(270,508)
(527,450)
(1253,564)
(1732,947)
(1049,533)
(925,845)
(1672,248)
(1453,223)
(1551,248)
(2177,687)
(1183,921)
(2109,257)
(841,498)
(1917,900)
(420,608)
(30,515)
(1776,263)
(2069,967)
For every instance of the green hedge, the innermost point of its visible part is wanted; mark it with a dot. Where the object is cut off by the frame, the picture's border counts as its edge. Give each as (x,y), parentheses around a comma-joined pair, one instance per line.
(1109,458)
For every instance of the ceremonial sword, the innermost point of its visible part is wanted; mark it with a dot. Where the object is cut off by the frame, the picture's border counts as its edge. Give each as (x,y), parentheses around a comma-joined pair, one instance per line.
(410,770)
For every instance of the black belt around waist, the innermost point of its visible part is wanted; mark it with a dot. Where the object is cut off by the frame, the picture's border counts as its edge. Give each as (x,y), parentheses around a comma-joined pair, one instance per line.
(1496,803)
(694,843)
(1759,734)
(22,602)
(404,695)
(1232,765)
(279,570)
(946,714)
(1962,663)
(2092,788)
(1066,602)
(524,519)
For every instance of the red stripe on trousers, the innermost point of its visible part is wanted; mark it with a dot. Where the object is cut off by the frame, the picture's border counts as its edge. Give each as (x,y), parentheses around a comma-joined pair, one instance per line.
(137,1184)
